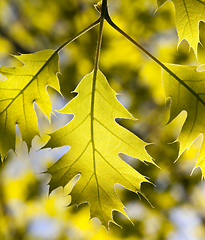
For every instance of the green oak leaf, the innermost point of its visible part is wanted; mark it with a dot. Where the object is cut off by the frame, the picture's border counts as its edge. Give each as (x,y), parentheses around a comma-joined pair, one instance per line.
(189,95)
(23,87)
(188,15)
(96,140)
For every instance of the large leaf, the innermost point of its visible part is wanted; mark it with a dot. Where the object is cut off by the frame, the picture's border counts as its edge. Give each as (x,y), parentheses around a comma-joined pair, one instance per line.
(188,15)
(96,140)
(189,95)
(23,87)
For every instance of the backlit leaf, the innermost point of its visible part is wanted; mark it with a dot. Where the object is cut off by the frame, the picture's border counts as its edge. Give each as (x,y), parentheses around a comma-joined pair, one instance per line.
(188,95)
(23,87)
(188,15)
(96,140)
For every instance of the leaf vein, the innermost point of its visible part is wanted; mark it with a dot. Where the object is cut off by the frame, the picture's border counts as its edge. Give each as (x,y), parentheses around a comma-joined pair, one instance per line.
(189,21)
(114,168)
(58,169)
(114,133)
(84,186)
(73,129)
(106,100)
(194,121)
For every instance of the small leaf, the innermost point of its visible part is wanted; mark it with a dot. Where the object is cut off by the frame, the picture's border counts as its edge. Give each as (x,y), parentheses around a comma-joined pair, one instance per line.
(188,15)
(96,140)
(188,95)
(24,86)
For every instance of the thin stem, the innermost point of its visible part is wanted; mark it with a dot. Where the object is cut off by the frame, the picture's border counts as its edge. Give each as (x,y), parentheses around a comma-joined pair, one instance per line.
(78,35)
(108,19)
(104,7)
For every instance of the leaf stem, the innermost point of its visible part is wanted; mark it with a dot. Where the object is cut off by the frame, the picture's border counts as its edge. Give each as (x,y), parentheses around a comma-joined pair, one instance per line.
(78,35)
(103,13)
(112,24)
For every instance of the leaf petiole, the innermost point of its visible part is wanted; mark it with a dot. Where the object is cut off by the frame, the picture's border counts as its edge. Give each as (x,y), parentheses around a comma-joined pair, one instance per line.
(103,13)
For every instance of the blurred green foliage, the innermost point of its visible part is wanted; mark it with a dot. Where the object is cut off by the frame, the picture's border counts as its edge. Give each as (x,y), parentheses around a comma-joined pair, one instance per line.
(26,211)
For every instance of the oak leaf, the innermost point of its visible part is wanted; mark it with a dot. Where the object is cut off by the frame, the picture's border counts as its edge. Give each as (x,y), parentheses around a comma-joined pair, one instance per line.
(96,141)
(189,95)
(188,15)
(23,87)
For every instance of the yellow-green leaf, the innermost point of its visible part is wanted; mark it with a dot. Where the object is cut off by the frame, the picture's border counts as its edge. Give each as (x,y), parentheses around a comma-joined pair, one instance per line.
(188,15)
(96,140)
(23,87)
(188,95)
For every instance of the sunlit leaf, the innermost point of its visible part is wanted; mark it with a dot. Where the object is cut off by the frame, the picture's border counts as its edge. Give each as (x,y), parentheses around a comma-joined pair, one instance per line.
(96,140)
(23,87)
(188,95)
(188,15)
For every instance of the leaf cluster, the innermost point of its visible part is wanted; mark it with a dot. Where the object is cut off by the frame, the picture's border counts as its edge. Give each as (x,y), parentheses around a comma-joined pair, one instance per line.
(99,144)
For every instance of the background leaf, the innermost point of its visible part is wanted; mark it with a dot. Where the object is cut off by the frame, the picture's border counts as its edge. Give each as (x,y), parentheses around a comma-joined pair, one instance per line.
(192,101)
(96,140)
(188,15)
(23,87)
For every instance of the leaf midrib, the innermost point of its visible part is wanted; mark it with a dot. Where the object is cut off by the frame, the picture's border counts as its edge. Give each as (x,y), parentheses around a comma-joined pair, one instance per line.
(92,117)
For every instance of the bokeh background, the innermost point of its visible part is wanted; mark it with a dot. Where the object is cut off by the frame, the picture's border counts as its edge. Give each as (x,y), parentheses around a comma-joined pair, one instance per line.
(26,210)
